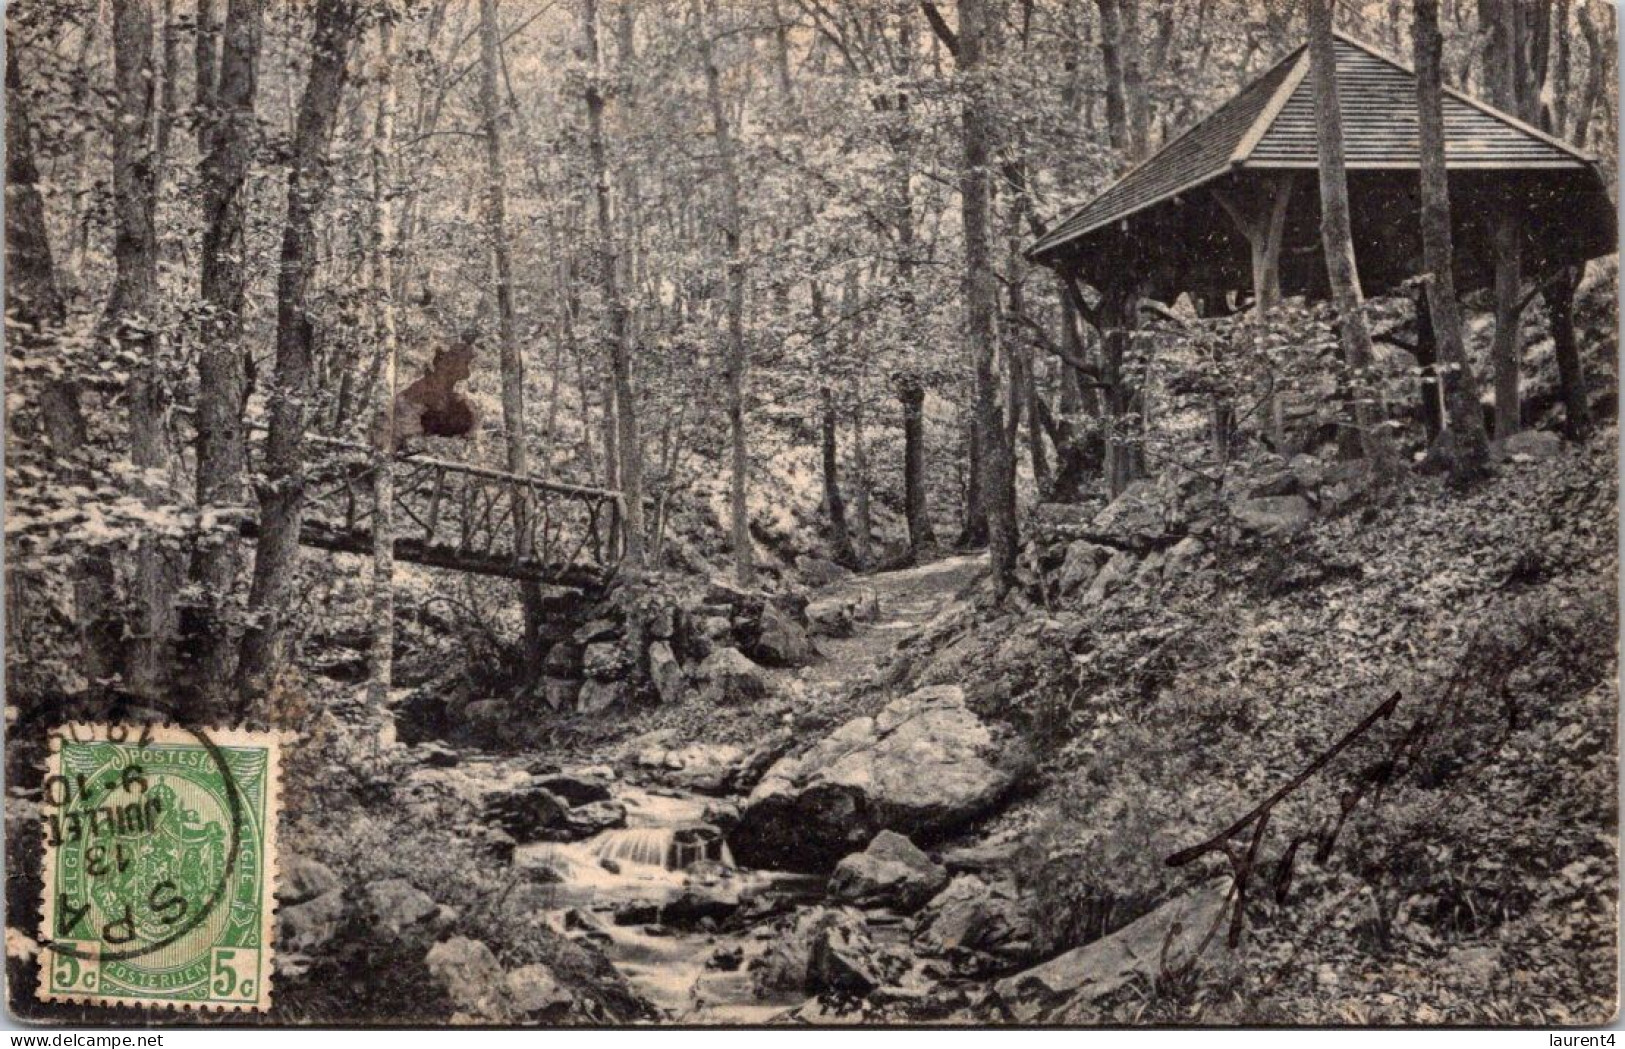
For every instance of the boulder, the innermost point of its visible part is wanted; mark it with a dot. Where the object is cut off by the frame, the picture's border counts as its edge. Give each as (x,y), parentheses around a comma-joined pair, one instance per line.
(891,872)
(782,642)
(300,879)
(1184,556)
(597,630)
(700,901)
(526,812)
(845,961)
(974,915)
(1117,571)
(436,755)
(606,661)
(1136,517)
(831,617)
(820,571)
(729,678)
(597,696)
(574,788)
(666,673)
(471,977)
(783,964)
(1083,560)
(1168,937)
(705,768)
(1530,446)
(397,908)
(1273,515)
(561,693)
(585,821)
(532,991)
(563,660)
(924,766)
(308,925)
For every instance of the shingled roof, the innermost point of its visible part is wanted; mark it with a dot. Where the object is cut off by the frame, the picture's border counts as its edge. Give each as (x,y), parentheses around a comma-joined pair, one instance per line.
(1270,124)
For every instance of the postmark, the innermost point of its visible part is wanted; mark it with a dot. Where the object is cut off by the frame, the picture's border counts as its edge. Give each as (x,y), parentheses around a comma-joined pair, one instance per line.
(160,866)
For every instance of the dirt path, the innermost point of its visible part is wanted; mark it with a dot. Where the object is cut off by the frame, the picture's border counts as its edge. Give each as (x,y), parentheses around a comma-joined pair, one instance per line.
(908,600)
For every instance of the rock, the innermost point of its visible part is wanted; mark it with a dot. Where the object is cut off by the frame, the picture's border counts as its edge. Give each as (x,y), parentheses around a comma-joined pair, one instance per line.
(637,912)
(1167,937)
(661,622)
(729,678)
(1286,482)
(783,964)
(597,696)
(716,628)
(1530,445)
(300,879)
(1184,556)
(585,821)
(606,661)
(666,673)
(1119,570)
(705,768)
(749,770)
(609,865)
(1273,515)
(561,693)
(1052,523)
(436,755)
(726,960)
(575,788)
(307,926)
(722,815)
(532,990)
(469,974)
(831,617)
(496,843)
(396,907)
(782,642)
(972,915)
(820,571)
(1137,516)
(597,630)
(526,812)
(1083,561)
(891,872)
(844,960)
(924,766)
(564,660)
(699,902)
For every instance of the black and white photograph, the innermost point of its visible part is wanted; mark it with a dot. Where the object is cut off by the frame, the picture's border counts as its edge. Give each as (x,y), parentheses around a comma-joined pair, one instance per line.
(996,514)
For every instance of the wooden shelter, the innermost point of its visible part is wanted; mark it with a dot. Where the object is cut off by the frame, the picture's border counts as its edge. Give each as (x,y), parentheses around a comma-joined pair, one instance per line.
(1229,210)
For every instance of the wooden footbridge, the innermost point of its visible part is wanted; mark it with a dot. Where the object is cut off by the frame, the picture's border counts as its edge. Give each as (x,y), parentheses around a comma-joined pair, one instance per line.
(459,516)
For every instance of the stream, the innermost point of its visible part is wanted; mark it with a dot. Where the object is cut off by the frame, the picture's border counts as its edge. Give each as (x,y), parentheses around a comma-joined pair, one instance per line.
(649,864)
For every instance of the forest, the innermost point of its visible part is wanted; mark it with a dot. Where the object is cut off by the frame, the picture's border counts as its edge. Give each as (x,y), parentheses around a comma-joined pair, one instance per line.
(728,543)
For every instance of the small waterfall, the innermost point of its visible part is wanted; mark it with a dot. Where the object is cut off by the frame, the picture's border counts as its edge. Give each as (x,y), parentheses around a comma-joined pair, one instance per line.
(670,848)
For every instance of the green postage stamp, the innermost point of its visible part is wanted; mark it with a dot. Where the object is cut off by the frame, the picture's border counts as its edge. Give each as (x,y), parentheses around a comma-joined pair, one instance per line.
(160,866)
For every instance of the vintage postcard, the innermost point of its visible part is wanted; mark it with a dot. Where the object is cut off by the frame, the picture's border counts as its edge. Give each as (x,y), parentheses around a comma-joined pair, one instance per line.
(752,513)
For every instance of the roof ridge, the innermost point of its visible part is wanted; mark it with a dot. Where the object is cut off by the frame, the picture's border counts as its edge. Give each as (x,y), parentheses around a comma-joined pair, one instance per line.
(1196,125)
(1266,118)
(1460,96)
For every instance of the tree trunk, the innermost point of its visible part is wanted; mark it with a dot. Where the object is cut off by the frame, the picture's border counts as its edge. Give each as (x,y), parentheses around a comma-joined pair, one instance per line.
(513,364)
(840,538)
(1427,360)
(385,212)
(981,293)
(222,373)
(1505,349)
(863,535)
(973,525)
(282,494)
(35,307)
(1571,378)
(1119,309)
(1111,61)
(1337,238)
(131,318)
(1463,446)
(732,233)
(627,451)
(922,538)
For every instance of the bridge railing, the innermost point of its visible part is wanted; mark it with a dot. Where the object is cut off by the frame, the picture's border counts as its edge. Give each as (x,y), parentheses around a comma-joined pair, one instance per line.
(454,515)
(461,516)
